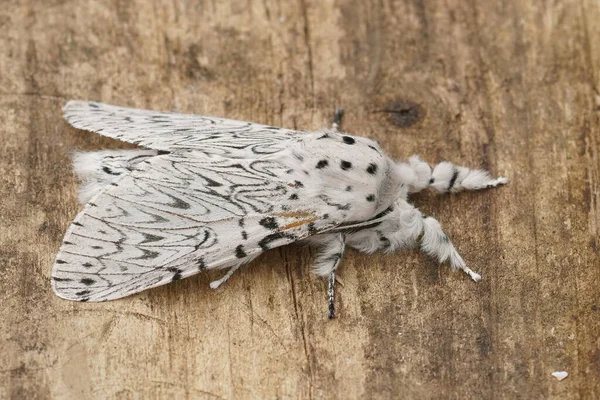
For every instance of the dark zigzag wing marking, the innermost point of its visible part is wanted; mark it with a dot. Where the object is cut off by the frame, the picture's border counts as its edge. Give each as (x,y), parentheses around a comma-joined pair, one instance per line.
(134,235)
(196,195)
(111,281)
(169,131)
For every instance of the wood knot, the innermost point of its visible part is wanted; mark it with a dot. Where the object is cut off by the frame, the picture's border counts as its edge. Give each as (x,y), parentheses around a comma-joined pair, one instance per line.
(403,113)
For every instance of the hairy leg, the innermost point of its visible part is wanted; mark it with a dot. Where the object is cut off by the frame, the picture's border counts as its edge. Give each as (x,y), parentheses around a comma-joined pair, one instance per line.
(446,177)
(402,229)
(435,243)
(330,256)
(335,126)
(232,269)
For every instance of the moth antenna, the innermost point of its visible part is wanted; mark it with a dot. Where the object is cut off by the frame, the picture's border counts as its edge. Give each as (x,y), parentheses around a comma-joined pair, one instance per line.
(337,119)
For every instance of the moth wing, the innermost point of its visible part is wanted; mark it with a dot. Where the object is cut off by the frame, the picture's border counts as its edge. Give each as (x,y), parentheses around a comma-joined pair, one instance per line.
(169,131)
(172,218)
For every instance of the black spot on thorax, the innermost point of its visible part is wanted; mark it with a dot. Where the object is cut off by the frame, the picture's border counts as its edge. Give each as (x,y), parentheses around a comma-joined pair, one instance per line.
(322,164)
(348,139)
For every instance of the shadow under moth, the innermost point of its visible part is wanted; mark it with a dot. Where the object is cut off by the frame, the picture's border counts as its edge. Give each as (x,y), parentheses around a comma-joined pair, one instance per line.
(213,193)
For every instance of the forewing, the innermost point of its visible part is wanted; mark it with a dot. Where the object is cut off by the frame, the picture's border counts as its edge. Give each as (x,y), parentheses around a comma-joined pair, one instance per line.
(171,131)
(173,218)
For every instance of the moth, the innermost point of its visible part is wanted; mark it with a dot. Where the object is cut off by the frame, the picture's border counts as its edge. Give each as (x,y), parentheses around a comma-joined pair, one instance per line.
(212,193)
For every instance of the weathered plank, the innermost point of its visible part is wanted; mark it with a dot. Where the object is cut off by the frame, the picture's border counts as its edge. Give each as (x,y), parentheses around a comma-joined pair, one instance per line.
(511,86)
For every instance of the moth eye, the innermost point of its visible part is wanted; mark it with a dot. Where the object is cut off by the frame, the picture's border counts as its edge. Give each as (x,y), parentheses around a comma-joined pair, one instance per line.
(370,198)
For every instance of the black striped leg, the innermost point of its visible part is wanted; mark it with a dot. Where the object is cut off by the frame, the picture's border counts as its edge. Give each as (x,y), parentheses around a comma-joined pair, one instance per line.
(329,258)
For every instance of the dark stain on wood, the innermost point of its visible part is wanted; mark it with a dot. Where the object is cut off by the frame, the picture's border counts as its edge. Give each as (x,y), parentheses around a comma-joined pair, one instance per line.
(403,113)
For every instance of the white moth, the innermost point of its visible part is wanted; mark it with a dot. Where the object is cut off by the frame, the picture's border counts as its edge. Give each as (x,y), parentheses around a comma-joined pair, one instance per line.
(215,193)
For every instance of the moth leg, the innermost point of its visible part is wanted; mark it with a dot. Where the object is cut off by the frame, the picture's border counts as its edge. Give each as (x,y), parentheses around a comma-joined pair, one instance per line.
(331,295)
(328,259)
(225,278)
(446,177)
(232,269)
(435,243)
(403,229)
(337,119)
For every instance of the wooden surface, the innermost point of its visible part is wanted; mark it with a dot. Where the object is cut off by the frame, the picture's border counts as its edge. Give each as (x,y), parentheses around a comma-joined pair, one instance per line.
(512,86)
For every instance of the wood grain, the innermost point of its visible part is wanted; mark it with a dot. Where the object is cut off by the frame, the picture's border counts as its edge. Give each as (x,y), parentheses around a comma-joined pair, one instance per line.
(511,86)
